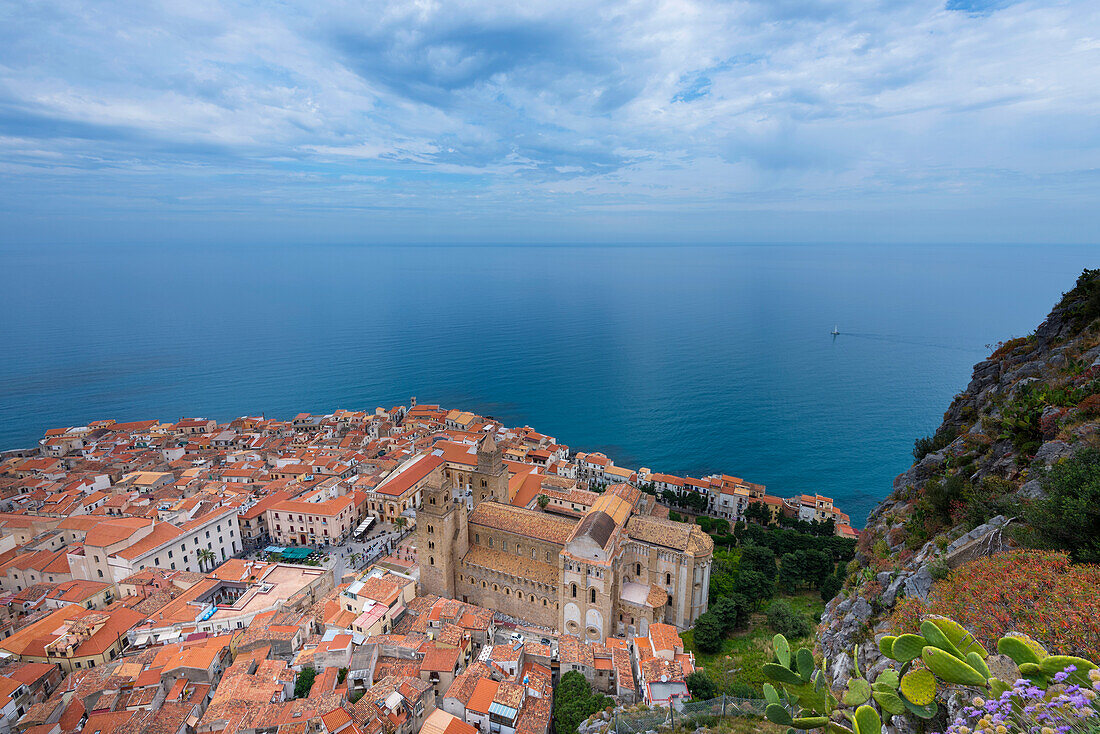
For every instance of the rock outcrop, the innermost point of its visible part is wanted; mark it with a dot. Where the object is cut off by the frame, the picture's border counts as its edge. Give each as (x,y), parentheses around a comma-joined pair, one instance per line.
(1033,402)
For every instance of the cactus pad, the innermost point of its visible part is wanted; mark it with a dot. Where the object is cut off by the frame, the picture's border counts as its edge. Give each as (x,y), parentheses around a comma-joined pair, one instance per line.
(1021,648)
(782,650)
(889,702)
(858,692)
(959,636)
(950,669)
(866,721)
(919,686)
(907,647)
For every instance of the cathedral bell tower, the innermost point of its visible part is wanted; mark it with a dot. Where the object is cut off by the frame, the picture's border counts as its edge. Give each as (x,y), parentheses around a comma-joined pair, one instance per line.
(491,478)
(441,537)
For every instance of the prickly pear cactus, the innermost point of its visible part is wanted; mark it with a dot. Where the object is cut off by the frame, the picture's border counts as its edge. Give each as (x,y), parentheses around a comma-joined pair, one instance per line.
(944,654)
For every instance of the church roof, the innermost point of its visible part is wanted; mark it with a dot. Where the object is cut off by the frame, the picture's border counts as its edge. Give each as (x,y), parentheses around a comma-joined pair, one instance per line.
(521,521)
(598,526)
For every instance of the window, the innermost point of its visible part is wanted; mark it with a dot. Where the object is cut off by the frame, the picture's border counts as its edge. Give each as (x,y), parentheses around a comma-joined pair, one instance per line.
(431,560)
(169,552)
(592,596)
(100,572)
(637,569)
(668,578)
(574,591)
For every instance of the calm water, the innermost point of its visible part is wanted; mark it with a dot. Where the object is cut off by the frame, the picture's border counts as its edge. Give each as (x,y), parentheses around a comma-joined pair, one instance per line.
(683,359)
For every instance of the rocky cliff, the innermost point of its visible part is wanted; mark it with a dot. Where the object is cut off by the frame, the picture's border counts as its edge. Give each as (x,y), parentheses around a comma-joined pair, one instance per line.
(1034,401)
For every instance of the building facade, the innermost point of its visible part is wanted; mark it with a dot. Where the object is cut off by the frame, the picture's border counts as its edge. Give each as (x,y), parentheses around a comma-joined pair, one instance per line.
(614,571)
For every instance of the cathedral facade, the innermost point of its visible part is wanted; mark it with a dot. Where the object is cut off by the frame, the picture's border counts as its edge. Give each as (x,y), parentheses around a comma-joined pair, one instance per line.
(613,571)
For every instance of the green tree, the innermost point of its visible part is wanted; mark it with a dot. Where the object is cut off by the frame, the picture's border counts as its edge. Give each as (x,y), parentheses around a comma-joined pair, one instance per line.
(1069,517)
(206,559)
(831,586)
(705,523)
(754,586)
(786,621)
(708,633)
(758,558)
(731,611)
(574,702)
(702,688)
(304,682)
(543,501)
(817,566)
(758,512)
(791,571)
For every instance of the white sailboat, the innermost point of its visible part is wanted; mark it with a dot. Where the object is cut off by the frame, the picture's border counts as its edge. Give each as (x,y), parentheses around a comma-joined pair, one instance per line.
(835,331)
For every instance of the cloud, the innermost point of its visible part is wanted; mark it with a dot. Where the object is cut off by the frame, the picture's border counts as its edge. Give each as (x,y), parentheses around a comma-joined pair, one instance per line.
(493,112)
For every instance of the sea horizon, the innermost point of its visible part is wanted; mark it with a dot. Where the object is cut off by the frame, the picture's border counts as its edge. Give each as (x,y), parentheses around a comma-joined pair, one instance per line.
(688,359)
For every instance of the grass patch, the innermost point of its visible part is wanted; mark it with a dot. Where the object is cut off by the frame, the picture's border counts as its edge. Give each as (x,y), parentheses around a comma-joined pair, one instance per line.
(742,657)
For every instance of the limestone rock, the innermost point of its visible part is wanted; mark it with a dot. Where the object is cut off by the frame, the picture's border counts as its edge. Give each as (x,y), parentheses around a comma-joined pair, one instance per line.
(859,613)
(1032,490)
(891,594)
(1052,451)
(919,584)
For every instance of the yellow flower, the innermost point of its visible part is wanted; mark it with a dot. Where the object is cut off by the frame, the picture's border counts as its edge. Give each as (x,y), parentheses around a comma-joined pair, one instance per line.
(1094,674)
(1001,729)
(977,702)
(1046,730)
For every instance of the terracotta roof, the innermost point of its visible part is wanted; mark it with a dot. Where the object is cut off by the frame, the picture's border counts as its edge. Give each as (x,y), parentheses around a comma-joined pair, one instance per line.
(521,521)
(520,567)
(484,692)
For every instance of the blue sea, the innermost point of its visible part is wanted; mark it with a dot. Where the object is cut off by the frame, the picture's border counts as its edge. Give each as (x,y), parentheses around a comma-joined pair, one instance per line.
(688,360)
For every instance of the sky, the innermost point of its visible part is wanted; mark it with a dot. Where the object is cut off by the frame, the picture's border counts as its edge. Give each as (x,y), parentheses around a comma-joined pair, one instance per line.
(550,121)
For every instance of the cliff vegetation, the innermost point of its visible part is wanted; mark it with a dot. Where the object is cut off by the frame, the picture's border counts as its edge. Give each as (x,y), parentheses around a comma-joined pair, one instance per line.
(997,522)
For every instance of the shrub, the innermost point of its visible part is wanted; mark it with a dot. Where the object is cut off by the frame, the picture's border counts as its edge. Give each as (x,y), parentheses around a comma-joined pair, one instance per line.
(743,690)
(1090,406)
(708,632)
(786,621)
(831,586)
(930,444)
(1039,593)
(701,686)
(731,612)
(939,570)
(1083,302)
(574,702)
(304,682)
(1069,518)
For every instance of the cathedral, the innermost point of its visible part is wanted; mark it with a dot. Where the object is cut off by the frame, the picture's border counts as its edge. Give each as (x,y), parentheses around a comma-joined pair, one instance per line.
(613,571)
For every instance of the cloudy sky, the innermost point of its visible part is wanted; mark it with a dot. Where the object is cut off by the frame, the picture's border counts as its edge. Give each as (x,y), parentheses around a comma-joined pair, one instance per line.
(550,120)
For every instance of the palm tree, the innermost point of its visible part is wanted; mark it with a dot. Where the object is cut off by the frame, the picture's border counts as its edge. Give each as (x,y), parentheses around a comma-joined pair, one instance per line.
(400,522)
(205,556)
